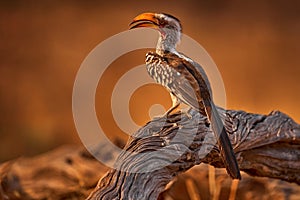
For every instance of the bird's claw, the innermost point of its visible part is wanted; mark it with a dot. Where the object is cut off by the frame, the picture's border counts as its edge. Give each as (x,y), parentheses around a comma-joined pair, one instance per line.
(166,115)
(188,115)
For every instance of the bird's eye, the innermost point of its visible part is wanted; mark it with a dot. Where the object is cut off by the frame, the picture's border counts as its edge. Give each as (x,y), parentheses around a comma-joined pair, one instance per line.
(163,23)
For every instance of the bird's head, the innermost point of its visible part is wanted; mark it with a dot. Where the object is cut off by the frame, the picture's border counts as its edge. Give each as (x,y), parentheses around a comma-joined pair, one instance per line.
(168,26)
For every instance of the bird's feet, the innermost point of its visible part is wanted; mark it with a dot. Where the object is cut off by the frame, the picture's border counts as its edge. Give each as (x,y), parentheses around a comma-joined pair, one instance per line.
(166,115)
(188,115)
(187,112)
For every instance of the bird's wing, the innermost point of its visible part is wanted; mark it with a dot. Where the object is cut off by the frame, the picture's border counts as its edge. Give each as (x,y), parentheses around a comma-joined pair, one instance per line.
(198,70)
(187,81)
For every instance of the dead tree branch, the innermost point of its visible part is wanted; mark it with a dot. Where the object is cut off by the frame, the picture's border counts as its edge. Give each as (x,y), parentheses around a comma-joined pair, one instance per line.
(265,145)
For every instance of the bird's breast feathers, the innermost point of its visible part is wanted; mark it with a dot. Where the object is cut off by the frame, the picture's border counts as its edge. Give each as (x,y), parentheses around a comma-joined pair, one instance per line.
(159,69)
(179,76)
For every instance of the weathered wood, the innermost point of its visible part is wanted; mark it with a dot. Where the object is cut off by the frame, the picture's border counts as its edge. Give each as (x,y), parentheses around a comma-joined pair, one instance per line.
(265,145)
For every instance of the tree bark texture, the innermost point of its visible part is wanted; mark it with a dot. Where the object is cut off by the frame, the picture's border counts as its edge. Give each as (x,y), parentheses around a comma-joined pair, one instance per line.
(265,145)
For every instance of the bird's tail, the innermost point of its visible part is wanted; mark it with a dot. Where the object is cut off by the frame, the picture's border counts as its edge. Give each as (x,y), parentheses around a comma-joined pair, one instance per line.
(224,143)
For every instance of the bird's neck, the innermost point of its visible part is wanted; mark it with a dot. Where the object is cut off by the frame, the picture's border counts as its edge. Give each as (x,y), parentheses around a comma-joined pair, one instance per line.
(166,42)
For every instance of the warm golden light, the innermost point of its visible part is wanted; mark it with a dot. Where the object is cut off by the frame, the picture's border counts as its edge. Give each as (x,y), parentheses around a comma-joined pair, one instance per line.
(255,46)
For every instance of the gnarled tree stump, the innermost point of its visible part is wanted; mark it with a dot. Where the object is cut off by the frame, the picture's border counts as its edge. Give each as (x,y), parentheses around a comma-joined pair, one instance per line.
(266,146)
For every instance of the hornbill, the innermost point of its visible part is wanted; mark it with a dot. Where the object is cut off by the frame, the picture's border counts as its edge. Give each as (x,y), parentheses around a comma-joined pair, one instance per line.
(184,79)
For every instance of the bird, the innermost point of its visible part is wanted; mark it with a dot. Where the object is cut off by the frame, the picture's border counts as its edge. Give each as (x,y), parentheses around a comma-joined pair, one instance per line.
(184,78)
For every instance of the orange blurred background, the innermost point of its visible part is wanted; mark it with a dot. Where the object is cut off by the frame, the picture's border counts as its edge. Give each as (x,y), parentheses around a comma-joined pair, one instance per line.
(255,45)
